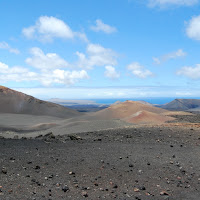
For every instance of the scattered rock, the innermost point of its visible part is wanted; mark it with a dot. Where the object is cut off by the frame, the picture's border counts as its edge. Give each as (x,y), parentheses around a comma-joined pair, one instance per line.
(74,137)
(65,188)
(4,170)
(163,193)
(142,188)
(50,135)
(136,190)
(84,194)
(37,167)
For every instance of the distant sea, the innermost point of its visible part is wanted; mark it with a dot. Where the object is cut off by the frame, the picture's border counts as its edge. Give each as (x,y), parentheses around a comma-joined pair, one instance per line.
(153,100)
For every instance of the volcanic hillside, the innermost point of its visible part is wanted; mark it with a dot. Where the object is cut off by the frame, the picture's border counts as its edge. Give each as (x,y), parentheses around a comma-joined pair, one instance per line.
(134,112)
(182,104)
(15,102)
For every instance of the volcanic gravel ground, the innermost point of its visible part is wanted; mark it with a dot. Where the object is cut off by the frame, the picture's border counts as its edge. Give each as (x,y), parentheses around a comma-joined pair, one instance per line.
(147,163)
(187,118)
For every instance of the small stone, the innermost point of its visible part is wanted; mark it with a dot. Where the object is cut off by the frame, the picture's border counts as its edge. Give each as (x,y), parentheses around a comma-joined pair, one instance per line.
(76,185)
(163,193)
(136,190)
(142,188)
(130,165)
(65,188)
(15,137)
(84,194)
(37,167)
(4,170)
(71,173)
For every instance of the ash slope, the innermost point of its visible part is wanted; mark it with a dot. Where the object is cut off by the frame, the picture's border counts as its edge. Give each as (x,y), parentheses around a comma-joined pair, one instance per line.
(15,102)
(116,116)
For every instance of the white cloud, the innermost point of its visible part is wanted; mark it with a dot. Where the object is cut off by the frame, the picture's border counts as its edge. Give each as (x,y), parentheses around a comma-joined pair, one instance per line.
(100,26)
(190,72)
(111,72)
(46,78)
(29,32)
(138,70)
(48,28)
(164,3)
(51,69)
(45,61)
(193,28)
(96,56)
(68,77)
(15,73)
(136,92)
(4,45)
(173,55)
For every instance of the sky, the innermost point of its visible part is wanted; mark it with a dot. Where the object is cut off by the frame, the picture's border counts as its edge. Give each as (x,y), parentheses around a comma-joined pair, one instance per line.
(101,48)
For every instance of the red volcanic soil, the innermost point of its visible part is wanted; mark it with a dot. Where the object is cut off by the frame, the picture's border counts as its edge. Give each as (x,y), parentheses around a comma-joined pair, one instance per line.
(148,117)
(15,102)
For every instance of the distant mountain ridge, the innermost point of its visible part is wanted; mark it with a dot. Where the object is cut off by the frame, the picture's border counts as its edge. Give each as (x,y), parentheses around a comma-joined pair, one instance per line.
(15,102)
(182,104)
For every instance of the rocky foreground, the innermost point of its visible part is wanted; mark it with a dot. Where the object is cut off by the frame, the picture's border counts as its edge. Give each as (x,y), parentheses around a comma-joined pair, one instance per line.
(133,163)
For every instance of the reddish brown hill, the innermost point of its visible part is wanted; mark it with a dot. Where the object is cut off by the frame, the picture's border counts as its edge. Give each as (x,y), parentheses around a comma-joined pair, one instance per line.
(134,112)
(12,101)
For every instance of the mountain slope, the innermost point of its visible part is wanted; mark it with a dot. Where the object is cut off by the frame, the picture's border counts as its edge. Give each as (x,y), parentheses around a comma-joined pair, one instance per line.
(182,104)
(15,102)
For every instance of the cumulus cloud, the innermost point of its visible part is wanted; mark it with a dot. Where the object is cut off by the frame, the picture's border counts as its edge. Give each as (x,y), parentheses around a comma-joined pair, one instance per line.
(193,28)
(62,77)
(96,56)
(15,73)
(190,72)
(164,3)
(173,55)
(4,45)
(111,72)
(44,61)
(139,71)
(100,26)
(47,28)
(52,68)
(46,78)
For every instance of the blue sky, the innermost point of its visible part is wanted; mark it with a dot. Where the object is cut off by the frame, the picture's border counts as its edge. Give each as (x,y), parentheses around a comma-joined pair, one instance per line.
(101,48)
